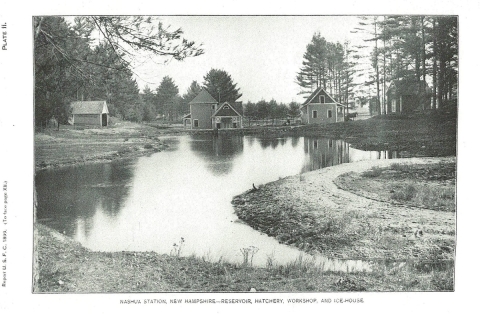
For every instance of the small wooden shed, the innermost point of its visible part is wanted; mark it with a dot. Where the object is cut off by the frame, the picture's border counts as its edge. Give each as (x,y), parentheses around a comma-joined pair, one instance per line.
(90,113)
(408,95)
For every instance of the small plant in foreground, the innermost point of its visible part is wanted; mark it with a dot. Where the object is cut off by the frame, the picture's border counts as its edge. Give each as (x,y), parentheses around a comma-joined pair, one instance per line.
(405,194)
(372,173)
(248,254)
(271,260)
(177,249)
(397,167)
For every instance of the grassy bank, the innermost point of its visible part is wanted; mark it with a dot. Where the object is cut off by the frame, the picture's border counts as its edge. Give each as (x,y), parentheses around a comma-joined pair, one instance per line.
(66,266)
(122,139)
(427,186)
(417,135)
(310,212)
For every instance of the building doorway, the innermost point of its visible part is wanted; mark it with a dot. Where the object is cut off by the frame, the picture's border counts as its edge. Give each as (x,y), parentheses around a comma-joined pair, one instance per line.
(104,119)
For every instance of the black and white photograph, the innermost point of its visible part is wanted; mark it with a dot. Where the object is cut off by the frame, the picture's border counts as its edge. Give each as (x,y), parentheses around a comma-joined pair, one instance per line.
(228,160)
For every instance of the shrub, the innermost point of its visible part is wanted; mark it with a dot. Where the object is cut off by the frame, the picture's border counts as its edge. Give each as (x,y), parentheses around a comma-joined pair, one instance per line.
(372,173)
(405,194)
(397,167)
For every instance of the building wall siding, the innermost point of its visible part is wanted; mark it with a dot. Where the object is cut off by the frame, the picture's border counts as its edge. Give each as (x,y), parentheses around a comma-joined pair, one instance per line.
(203,113)
(87,119)
(322,113)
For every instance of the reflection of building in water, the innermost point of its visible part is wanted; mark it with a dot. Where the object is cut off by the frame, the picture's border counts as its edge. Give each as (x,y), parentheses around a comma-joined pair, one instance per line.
(358,155)
(323,152)
(219,151)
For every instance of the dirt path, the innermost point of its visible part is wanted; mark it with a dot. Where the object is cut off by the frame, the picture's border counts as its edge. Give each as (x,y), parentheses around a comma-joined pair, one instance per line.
(313,213)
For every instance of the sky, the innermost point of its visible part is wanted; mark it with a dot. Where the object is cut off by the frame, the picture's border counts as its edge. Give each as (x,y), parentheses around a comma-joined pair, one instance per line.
(261,53)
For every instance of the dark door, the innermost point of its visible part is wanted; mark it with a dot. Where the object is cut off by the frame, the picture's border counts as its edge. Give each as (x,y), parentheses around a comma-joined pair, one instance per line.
(104,119)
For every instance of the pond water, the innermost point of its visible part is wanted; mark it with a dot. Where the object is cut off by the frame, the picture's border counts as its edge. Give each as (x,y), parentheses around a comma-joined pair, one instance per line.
(154,202)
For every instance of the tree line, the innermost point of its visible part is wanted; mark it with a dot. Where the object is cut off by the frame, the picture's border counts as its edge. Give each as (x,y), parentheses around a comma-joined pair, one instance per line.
(328,65)
(94,58)
(271,111)
(415,48)
(166,101)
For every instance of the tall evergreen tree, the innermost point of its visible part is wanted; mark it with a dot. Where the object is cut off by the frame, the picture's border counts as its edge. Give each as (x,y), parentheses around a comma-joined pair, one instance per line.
(327,65)
(167,93)
(221,86)
(193,90)
(148,100)
(67,68)
(58,72)
(314,66)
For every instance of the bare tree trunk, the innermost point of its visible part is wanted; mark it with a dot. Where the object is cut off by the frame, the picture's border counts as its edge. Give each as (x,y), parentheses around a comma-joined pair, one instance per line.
(384,73)
(434,22)
(424,70)
(376,69)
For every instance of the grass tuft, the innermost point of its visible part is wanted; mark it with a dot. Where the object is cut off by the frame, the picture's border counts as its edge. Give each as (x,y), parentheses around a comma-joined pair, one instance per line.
(373,173)
(405,193)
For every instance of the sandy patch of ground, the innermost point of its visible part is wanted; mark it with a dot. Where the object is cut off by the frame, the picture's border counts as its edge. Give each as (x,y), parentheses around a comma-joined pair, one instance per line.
(311,212)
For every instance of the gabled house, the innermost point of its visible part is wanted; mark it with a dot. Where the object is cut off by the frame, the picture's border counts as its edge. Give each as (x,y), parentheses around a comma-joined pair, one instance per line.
(207,114)
(320,107)
(407,95)
(228,116)
(90,113)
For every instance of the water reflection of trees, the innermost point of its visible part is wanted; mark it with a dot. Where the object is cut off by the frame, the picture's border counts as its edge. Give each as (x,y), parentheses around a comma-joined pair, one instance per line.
(324,152)
(69,195)
(218,151)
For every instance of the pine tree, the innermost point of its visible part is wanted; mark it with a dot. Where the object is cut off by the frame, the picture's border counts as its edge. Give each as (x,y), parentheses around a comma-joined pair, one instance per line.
(167,93)
(193,90)
(221,86)
(148,102)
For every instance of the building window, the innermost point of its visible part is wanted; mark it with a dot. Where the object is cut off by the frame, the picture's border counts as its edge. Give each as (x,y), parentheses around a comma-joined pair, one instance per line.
(225,107)
(394,105)
(234,125)
(195,123)
(314,114)
(213,107)
(339,109)
(330,143)
(315,144)
(322,99)
(329,113)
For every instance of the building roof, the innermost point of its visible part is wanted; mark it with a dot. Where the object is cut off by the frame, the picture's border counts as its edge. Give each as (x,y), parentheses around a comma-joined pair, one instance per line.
(89,107)
(315,93)
(409,87)
(203,97)
(228,111)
